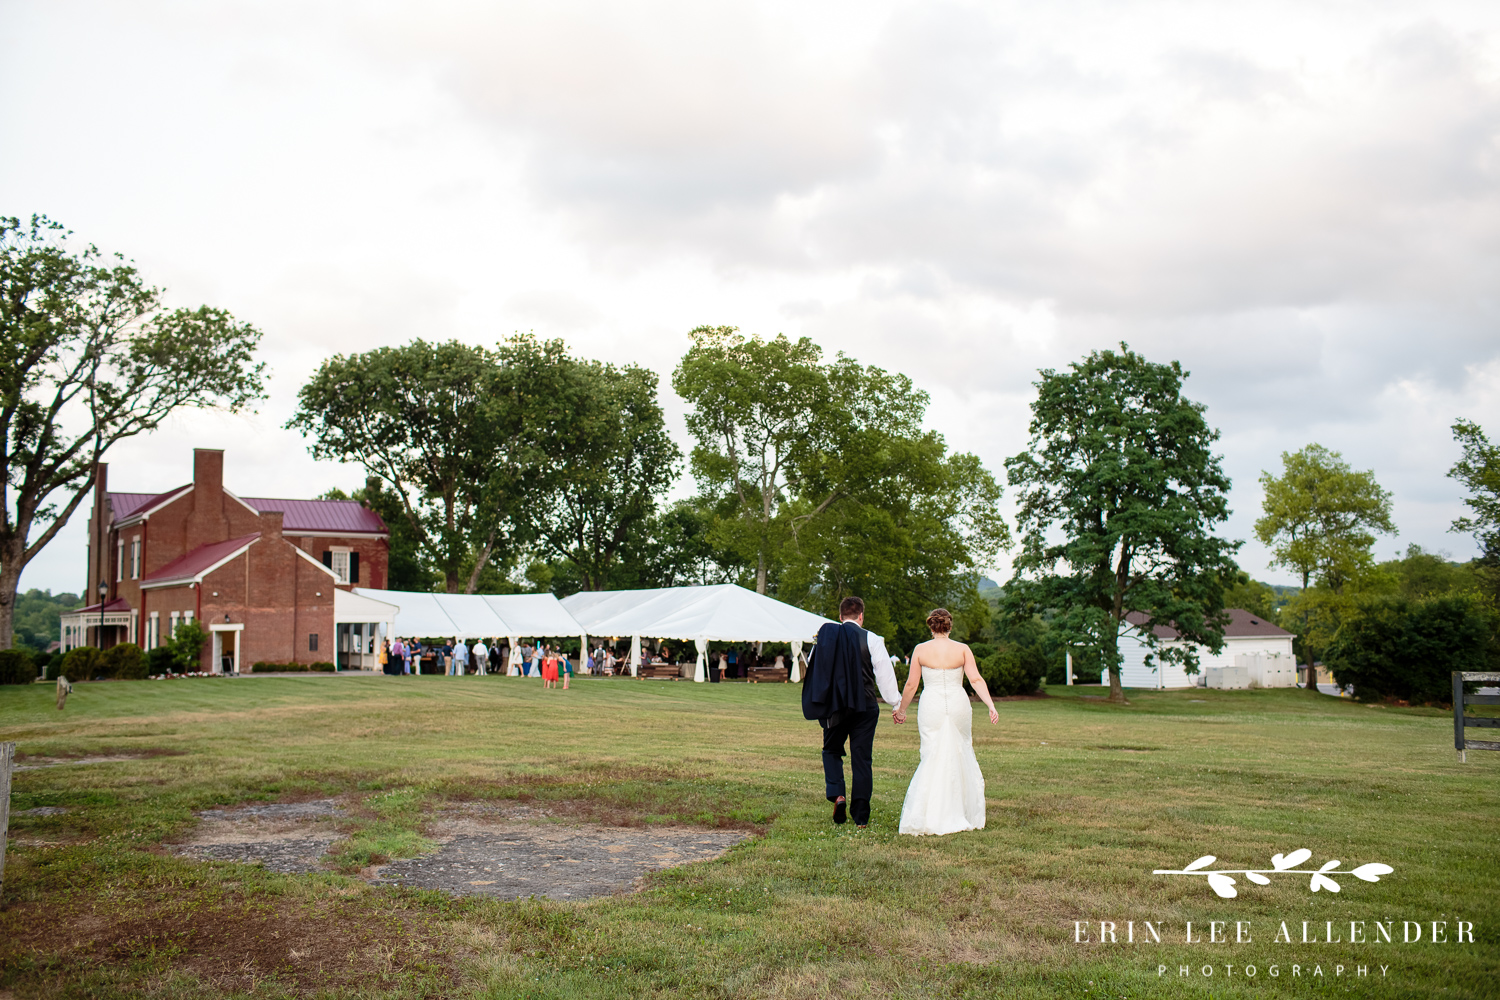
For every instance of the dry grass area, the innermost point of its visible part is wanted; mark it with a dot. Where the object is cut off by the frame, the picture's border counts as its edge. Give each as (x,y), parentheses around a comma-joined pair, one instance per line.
(1084,801)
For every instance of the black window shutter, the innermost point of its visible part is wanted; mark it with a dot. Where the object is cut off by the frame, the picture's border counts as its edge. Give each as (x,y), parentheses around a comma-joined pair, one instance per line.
(354,567)
(328,559)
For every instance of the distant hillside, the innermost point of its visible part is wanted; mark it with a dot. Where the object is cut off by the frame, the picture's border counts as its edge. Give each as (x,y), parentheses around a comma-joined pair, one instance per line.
(986,585)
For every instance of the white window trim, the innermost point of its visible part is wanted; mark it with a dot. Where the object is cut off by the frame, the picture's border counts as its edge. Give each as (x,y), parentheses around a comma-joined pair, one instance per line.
(135,558)
(340,573)
(119,559)
(153,629)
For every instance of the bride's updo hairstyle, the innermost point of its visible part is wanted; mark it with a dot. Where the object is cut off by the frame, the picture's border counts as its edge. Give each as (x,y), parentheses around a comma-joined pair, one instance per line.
(940,621)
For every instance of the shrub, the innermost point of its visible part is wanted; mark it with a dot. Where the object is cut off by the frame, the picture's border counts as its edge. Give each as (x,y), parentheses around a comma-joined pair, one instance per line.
(160,660)
(54,666)
(124,662)
(16,667)
(1399,648)
(323,667)
(187,646)
(262,667)
(1014,670)
(81,664)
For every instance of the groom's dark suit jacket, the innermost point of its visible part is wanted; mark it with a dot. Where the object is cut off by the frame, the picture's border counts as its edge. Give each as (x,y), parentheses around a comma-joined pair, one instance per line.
(840,675)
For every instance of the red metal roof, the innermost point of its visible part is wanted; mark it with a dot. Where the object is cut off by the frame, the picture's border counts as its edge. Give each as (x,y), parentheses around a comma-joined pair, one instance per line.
(193,565)
(126,504)
(334,517)
(1242,624)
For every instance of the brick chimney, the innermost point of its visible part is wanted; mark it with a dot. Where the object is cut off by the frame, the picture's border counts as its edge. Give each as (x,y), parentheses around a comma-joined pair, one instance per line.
(207,523)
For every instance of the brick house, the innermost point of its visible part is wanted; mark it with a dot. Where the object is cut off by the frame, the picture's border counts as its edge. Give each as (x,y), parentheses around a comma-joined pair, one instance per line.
(269,579)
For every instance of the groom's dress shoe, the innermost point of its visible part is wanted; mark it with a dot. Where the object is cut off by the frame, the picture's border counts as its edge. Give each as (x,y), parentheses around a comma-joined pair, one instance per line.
(838,812)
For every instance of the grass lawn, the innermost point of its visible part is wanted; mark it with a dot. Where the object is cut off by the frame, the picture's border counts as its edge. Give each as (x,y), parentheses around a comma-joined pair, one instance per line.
(1085,800)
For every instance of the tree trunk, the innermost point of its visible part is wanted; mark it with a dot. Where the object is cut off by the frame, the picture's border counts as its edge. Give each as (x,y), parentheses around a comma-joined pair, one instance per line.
(760,573)
(11,557)
(1111,655)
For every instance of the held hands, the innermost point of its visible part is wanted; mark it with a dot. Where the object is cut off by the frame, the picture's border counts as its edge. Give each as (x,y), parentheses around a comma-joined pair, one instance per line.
(898,715)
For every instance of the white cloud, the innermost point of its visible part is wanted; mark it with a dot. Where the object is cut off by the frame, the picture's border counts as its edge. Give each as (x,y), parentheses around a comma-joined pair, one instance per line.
(1298,200)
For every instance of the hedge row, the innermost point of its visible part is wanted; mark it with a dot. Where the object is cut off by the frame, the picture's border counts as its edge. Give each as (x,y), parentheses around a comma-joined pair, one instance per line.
(291,668)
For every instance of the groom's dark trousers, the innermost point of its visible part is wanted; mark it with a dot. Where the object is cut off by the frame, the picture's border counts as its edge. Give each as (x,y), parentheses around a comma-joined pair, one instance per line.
(859,729)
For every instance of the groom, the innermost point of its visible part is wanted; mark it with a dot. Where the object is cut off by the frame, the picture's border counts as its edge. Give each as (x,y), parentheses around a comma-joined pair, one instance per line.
(848,674)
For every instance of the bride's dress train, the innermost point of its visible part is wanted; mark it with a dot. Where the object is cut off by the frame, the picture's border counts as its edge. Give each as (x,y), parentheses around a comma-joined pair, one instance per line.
(946,795)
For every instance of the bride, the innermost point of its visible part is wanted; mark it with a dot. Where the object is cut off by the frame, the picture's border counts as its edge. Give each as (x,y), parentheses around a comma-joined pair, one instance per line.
(946,794)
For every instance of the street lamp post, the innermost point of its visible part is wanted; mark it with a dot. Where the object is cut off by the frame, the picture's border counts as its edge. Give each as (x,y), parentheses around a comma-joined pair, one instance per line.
(103,593)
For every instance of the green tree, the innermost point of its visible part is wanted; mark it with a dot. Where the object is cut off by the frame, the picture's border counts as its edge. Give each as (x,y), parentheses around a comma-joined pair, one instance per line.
(1396,647)
(1120,492)
(37,621)
(759,410)
(1319,515)
(1318,518)
(596,452)
(90,356)
(1479,471)
(1250,595)
(819,478)
(421,420)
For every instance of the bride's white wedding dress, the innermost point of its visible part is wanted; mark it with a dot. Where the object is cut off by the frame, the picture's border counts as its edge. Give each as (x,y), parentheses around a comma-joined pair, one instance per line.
(946,794)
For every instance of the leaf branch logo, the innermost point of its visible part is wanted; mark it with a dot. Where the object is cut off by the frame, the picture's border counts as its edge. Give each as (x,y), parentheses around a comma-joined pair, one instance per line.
(1281,864)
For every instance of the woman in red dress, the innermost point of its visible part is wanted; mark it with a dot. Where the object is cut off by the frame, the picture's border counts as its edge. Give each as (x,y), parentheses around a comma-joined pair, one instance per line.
(549,669)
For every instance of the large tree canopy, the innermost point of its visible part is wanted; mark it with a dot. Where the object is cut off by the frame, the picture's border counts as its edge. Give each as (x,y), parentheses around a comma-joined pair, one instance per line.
(1479,471)
(491,455)
(596,450)
(419,419)
(1319,515)
(820,479)
(89,356)
(1318,518)
(1120,492)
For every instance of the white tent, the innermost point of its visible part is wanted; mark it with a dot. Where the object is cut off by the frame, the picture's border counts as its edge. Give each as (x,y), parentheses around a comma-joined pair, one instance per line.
(718,613)
(475,616)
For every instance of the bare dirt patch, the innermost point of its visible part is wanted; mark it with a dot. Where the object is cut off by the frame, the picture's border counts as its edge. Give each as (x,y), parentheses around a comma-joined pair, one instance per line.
(32,762)
(238,942)
(516,851)
(286,837)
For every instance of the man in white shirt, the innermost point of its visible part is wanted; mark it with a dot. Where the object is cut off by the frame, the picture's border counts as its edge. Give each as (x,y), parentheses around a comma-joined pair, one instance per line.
(460,658)
(825,698)
(481,657)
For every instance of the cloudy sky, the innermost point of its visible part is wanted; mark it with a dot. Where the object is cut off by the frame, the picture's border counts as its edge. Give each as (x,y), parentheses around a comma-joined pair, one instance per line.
(1299,201)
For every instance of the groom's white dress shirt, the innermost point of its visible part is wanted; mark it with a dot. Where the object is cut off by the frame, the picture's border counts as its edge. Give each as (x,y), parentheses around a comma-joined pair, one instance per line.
(885,674)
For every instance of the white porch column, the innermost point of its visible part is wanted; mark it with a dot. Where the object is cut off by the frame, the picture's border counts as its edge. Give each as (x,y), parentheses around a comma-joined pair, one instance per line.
(1068,657)
(700,672)
(796,662)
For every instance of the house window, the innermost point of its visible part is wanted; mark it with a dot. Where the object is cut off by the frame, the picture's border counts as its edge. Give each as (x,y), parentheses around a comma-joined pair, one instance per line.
(176,616)
(343,563)
(135,558)
(153,631)
(119,560)
(312,642)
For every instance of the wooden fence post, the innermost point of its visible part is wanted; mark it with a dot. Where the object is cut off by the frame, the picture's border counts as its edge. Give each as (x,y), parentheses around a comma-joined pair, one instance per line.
(7,759)
(1460,720)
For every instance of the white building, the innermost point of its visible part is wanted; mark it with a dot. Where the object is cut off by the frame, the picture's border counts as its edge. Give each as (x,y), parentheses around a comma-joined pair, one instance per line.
(1249,637)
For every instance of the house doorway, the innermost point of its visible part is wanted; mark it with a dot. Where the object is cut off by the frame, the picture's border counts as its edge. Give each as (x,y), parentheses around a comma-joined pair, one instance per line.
(226,648)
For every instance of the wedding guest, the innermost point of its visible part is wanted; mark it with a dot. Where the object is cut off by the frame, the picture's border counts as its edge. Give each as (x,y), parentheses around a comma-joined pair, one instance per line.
(460,658)
(383,656)
(549,669)
(565,669)
(481,655)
